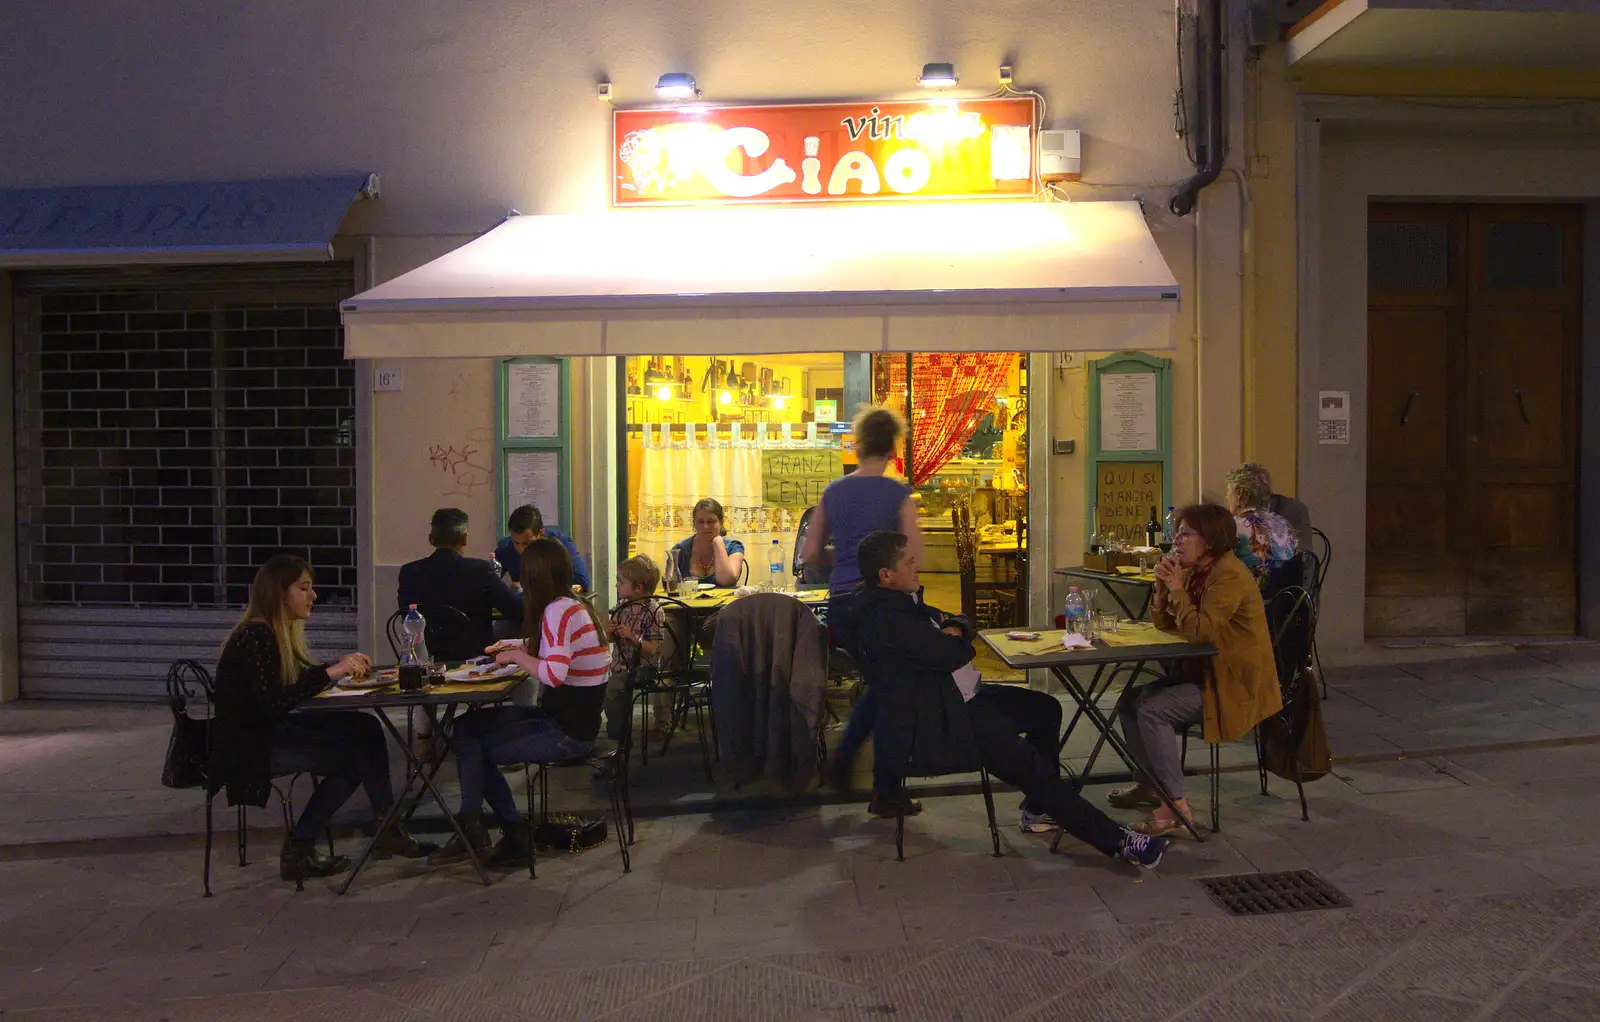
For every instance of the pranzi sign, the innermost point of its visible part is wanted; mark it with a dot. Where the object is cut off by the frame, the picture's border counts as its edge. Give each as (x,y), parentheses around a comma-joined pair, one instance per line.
(830,152)
(796,479)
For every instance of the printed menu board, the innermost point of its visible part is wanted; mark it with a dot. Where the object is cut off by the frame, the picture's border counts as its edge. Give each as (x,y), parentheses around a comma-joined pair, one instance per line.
(533,400)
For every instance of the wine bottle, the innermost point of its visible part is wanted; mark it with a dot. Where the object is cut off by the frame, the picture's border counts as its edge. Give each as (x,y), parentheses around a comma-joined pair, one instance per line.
(1152,529)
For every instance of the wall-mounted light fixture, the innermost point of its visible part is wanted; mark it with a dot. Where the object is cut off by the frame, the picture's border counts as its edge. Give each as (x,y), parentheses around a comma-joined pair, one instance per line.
(675,85)
(939,76)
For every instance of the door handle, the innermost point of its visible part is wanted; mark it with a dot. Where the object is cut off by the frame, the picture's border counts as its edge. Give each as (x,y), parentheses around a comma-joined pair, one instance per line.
(1523,408)
(1405,413)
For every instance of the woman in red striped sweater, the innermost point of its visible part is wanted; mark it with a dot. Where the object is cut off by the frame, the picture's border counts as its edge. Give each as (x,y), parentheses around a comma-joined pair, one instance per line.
(567,651)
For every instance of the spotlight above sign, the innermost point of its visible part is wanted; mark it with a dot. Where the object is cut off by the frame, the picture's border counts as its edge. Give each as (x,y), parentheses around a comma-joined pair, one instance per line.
(824,152)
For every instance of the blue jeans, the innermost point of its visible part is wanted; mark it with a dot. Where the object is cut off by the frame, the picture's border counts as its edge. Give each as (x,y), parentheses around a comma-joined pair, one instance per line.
(346,750)
(863,718)
(485,739)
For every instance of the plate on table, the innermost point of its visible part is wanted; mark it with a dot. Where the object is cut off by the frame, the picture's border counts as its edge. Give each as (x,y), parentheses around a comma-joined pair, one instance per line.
(482,672)
(706,585)
(377,679)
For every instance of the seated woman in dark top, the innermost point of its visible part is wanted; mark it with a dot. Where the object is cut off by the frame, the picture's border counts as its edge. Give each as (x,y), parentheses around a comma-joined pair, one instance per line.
(265,671)
(567,651)
(709,554)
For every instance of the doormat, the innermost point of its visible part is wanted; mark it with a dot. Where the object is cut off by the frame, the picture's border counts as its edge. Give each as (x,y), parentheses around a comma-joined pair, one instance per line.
(1261,894)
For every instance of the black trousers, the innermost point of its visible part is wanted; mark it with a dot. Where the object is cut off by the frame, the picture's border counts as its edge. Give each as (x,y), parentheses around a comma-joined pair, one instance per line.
(998,713)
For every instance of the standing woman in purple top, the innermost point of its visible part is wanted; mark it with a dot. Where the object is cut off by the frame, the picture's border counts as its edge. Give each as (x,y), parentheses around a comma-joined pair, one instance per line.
(864,502)
(853,508)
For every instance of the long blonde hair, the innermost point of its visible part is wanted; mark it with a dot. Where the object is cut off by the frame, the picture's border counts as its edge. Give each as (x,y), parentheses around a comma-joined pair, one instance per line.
(274,579)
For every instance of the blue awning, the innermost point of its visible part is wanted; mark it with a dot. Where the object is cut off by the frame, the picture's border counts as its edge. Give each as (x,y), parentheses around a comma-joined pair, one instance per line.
(282,220)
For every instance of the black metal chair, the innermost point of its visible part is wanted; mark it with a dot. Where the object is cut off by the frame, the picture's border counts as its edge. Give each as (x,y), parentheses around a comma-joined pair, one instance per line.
(806,572)
(449,634)
(606,756)
(1322,550)
(395,635)
(1291,618)
(672,674)
(189,684)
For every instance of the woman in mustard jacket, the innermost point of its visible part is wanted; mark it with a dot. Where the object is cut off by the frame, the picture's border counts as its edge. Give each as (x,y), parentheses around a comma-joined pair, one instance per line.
(1206,594)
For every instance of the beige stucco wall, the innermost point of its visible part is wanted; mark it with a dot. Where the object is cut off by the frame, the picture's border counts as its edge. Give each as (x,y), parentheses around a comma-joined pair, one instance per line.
(1360,150)
(470,110)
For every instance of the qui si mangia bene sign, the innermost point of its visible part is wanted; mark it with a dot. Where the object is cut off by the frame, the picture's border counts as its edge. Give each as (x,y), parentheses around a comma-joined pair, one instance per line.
(824,152)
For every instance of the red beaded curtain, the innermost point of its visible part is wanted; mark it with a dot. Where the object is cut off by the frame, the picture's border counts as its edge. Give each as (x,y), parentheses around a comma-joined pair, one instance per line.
(950,394)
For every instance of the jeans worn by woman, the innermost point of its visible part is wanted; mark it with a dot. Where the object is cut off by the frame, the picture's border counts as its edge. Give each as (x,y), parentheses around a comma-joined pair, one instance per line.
(346,750)
(485,739)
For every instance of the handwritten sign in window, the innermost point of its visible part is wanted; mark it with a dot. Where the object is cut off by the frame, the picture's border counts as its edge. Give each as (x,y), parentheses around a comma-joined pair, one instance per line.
(1125,493)
(795,479)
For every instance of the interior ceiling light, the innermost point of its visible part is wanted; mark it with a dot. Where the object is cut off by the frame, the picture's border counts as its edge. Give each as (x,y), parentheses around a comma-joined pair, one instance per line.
(676,85)
(665,393)
(724,398)
(934,76)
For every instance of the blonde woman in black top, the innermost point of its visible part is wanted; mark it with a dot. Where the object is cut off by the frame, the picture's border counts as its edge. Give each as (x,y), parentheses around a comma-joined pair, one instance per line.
(264,673)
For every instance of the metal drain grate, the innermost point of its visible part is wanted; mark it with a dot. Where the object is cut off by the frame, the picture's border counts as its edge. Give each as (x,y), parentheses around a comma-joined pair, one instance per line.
(1261,894)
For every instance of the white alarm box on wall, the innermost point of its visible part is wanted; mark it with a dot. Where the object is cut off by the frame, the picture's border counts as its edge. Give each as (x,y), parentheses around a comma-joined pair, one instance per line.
(1060,154)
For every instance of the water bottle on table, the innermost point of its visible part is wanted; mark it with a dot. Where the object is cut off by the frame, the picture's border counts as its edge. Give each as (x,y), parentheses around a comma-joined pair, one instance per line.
(412,626)
(1076,613)
(776,573)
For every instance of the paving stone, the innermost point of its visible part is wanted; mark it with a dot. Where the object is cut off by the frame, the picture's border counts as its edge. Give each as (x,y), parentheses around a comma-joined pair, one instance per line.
(983,980)
(741,991)
(1544,1001)
(1371,1003)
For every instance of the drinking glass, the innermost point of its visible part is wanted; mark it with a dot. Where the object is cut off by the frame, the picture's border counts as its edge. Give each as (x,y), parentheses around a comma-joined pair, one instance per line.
(1105,623)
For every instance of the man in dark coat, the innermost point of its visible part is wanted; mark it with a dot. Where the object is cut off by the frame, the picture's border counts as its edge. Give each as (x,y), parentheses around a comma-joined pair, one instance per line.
(912,652)
(448,581)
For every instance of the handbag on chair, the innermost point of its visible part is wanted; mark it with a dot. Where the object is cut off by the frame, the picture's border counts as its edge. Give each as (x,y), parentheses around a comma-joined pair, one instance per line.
(185,765)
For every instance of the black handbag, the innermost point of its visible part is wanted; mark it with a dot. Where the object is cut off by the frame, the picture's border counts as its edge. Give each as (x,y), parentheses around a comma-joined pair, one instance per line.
(185,766)
(570,832)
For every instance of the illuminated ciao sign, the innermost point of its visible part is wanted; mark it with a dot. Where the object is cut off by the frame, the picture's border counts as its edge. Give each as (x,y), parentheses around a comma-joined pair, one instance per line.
(829,152)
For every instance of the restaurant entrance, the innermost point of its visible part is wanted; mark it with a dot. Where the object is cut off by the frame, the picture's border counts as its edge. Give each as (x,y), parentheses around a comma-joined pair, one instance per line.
(764,435)
(1473,339)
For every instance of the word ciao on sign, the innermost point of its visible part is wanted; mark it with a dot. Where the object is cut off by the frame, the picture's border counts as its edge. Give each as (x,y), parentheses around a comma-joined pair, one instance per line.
(667,154)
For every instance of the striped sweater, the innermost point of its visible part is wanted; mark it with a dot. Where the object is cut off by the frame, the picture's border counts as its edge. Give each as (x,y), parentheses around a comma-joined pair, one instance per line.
(570,650)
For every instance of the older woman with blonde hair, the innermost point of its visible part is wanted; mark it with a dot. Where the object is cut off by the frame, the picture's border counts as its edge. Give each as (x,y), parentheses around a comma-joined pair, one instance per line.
(1266,538)
(265,672)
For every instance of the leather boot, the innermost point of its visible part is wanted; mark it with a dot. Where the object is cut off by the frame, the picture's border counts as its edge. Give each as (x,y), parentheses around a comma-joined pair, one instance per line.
(454,851)
(398,841)
(512,850)
(300,859)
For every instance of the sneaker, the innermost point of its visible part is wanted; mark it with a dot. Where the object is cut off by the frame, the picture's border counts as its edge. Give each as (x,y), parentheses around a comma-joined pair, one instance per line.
(891,806)
(1141,850)
(1038,823)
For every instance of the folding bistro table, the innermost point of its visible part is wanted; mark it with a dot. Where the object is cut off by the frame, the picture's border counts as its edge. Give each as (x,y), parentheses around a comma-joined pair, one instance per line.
(450,696)
(1131,647)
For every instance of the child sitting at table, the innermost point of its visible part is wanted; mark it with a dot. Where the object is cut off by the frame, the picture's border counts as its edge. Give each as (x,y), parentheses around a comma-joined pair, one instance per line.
(636,631)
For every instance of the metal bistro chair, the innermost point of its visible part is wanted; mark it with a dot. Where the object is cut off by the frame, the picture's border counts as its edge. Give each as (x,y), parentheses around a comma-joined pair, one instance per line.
(612,758)
(679,674)
(188,684)
(1322,550)
(1290,620)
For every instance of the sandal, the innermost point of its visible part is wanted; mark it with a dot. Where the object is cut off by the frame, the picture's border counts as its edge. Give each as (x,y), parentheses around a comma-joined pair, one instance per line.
(1132,797)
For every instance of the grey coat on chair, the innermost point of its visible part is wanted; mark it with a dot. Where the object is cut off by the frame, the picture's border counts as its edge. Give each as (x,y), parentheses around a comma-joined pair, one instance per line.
(769,681)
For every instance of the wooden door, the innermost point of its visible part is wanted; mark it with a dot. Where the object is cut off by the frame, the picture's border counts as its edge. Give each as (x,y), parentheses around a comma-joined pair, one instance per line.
(1472,419)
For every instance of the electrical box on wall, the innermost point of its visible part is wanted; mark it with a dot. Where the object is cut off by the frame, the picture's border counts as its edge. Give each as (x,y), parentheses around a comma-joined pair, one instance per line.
(1060,154)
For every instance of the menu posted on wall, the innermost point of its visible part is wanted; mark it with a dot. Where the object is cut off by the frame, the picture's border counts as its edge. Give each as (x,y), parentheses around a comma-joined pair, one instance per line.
(1128,420)
(533,400)
(534,477)
(794,480)
(1124,494)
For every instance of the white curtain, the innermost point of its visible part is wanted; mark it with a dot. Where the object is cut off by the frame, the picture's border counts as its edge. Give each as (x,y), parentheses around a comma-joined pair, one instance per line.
(677,473)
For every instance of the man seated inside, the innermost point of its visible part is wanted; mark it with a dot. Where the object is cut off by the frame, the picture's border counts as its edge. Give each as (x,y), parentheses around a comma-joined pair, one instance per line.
(907,645)
(450,580)
(525,525)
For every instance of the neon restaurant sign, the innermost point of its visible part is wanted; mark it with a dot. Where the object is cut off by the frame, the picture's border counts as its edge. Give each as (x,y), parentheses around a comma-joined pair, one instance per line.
(824,152)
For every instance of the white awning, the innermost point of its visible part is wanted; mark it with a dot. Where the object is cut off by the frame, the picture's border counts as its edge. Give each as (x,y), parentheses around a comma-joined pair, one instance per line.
(993,276)
(281,220)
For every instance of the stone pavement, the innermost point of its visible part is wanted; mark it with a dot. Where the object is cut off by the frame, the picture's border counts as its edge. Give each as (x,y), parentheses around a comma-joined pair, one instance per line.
(1462,833)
